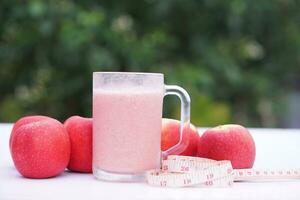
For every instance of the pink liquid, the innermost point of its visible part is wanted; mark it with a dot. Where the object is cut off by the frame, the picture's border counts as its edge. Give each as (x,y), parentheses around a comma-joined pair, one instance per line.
(127,130)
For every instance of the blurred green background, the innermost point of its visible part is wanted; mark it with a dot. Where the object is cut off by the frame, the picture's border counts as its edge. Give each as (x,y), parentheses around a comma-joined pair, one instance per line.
(239,60)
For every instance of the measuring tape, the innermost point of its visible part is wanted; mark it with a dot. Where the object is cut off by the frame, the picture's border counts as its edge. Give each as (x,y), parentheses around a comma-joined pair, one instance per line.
(183,171)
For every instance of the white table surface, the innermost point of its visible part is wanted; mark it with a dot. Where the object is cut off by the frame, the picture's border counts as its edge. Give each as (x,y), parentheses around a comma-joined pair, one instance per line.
(275,148)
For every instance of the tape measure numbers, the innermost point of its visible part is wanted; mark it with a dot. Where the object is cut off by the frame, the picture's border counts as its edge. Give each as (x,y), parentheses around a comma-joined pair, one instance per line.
(183,171)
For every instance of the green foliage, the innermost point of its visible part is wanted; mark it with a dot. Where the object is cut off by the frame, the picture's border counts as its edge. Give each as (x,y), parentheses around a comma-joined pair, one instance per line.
(236,58)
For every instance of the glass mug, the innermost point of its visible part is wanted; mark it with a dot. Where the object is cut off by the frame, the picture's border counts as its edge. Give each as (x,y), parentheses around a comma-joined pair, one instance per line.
(127,120)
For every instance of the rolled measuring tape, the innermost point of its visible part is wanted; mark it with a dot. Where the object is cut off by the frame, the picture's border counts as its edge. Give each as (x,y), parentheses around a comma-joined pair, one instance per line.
(183,171)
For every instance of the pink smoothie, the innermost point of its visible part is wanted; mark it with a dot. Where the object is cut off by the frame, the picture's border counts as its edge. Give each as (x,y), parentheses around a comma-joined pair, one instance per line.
(127,130)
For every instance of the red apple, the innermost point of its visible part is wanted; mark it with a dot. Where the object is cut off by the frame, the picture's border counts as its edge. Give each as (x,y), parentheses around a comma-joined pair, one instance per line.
(228,142)
(171,134)
(23,121)
(40,148)
(80,131)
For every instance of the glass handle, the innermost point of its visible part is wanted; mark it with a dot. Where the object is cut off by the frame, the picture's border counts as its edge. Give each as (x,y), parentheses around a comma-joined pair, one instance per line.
(184,121)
